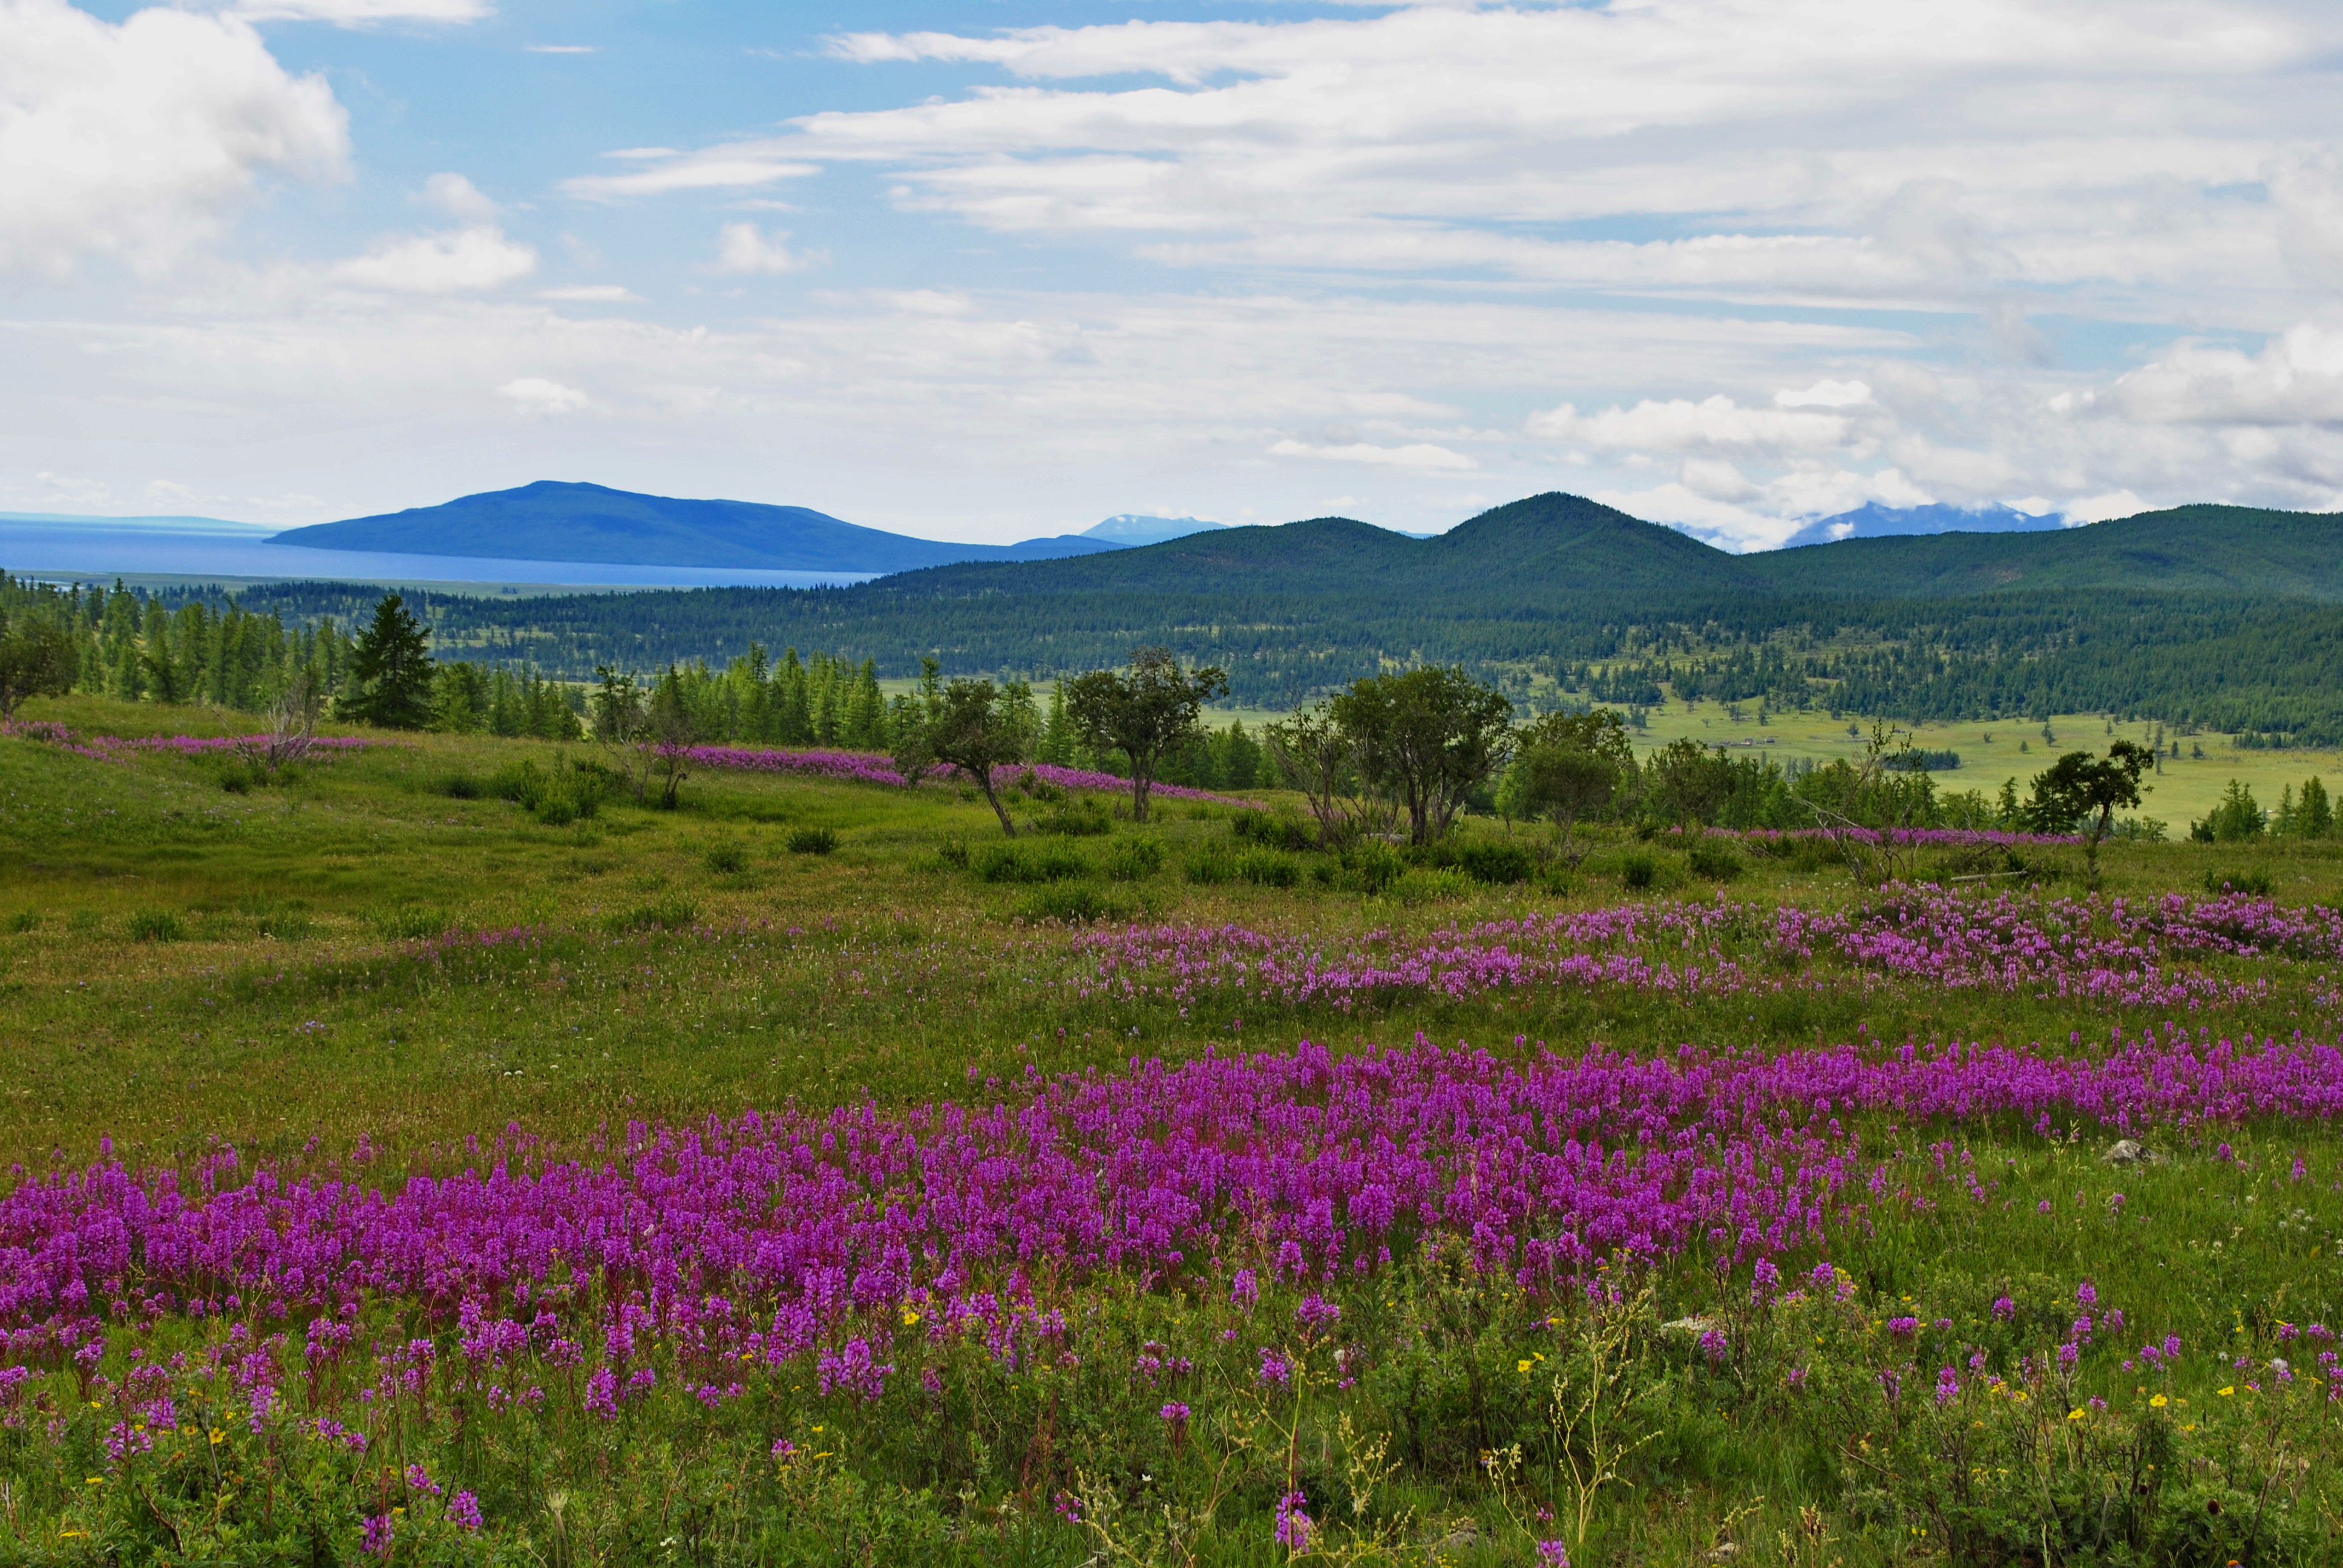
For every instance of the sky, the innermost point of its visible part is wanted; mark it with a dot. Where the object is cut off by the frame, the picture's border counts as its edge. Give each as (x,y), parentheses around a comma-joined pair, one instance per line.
(992,269)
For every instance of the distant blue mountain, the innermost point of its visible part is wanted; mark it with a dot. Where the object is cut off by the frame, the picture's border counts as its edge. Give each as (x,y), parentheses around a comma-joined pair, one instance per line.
(555,521)
(1875,521)
(1131,528)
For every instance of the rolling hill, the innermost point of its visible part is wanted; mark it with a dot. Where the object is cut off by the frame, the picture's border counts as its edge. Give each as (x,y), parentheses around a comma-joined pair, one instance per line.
(2202,549)
(557,521)
(2223,617)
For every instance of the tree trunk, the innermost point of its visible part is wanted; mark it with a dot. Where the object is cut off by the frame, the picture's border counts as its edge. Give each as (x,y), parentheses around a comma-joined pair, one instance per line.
(984,782)
(1140,780)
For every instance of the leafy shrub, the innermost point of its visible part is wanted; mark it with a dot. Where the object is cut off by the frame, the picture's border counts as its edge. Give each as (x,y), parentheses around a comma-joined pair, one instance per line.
(1072,903)
(1639,870)
(1030,863)
(1269,868)
(666,915)
(1497,861)
(822,840)
(1135,860)
(725,857)
(1209,865)
(461,787)
(953,852)
(25,920)
(155,926)
(238,777)
(2256,882)
(1371,865)
(405,922)
(557,798)
(521,782)
(1715,859)
(1428,884)
(1078,817)
(1274,829)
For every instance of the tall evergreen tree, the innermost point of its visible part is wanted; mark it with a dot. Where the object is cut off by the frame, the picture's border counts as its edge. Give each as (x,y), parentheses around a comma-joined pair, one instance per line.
(391,670)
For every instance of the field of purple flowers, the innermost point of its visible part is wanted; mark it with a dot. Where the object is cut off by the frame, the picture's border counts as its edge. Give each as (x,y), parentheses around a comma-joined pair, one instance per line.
(844,1212)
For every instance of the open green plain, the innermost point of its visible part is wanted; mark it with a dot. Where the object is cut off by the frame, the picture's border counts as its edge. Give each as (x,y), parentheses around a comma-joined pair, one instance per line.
(298,966)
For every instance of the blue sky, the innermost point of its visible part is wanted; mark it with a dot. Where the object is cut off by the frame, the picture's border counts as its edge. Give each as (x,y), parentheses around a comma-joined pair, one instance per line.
(993,270)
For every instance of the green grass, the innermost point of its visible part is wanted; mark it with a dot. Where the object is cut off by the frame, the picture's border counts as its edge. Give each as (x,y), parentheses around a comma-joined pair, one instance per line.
(666,977)
(361,952)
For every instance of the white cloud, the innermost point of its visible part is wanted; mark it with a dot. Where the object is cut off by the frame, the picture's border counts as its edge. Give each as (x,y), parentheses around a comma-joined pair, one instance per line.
(591,293)
(1680,424)
(141,139)
(535,395)
(743,247)
(716,169)
(458,197)
(562,48)
(2297,378)
(1416,454)
(2100,508)
(362,12)
(449,262)
(1823,395)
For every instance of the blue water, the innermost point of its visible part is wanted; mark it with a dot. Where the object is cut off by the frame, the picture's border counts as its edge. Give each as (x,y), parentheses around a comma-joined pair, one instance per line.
(101,548)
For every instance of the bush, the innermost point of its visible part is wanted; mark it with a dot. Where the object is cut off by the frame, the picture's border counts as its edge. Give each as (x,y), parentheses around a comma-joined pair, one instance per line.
(521,782)
(1372,866)
(25,920)
(155,926)
(1274,829)
(666,915)
(1639,870)
(822,840)
(1715,859)
(405,922)
(2256,882)
(1135,860)
(238,777)
(1071,902)
(1078,817)
(1426,884)
(1497,861)
(1269,868)
(460,787)
(725,857)
(953,852)
(1028,863)
(1209,865)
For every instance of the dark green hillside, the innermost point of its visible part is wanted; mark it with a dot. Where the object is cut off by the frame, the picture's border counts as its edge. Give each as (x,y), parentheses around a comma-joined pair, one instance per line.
(2219,617)
(2211,549)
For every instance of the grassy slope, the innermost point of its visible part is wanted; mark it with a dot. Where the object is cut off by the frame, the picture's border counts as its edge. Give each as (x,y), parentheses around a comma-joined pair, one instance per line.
(881,970)
(875,970)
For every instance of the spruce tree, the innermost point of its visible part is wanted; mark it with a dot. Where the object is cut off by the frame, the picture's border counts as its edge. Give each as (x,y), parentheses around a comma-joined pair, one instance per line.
(391,670)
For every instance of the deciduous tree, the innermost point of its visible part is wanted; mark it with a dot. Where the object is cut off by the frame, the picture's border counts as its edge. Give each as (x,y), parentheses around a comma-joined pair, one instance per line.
(1145,713)
(1427,737)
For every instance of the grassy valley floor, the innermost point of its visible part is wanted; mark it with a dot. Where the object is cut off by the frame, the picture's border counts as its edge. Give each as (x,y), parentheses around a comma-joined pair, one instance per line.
(401,1168)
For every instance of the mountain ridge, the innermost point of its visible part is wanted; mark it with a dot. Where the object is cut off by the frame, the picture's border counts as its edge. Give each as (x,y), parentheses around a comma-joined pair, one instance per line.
(555,519)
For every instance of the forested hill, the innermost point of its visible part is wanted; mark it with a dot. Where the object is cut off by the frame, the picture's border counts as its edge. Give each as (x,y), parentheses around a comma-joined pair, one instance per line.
(1529,554)
(2205,550)
(2221,617)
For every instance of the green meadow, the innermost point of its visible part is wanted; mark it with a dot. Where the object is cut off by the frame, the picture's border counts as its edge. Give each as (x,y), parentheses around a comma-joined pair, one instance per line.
(375,953)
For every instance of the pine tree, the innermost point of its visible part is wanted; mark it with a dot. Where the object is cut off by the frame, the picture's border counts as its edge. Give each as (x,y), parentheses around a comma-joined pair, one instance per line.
(391,670)
(2315,818)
